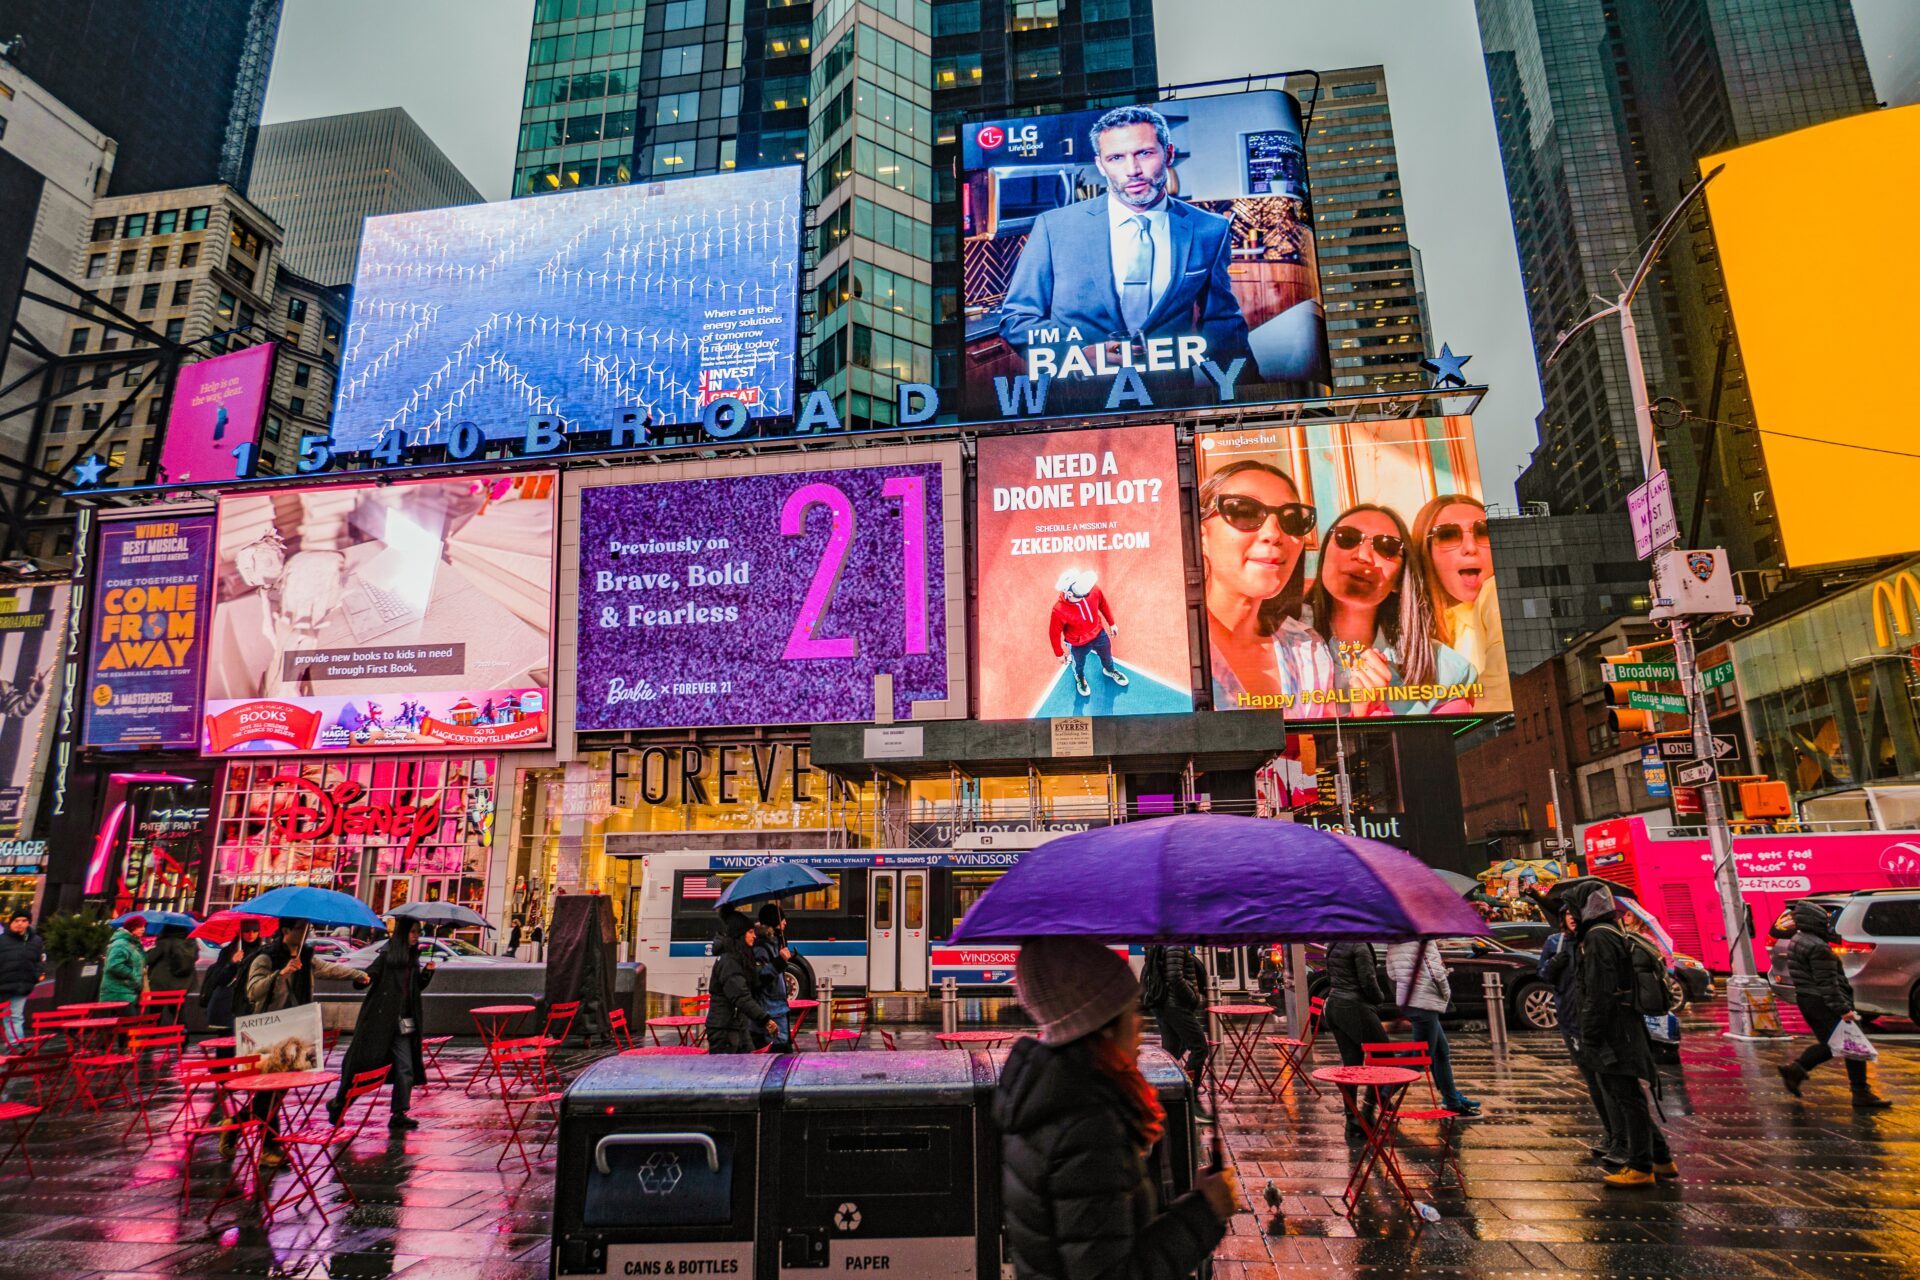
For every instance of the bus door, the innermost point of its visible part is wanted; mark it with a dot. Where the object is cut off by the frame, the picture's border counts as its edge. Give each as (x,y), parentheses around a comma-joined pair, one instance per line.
(896,930)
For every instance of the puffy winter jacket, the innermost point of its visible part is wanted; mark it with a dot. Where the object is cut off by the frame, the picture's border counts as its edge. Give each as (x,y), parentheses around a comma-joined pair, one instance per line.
(171,962)
(1428,987)
(1352,974)
(1557,966)
(1816,972)
(23,958)
(1075,1187)
(124,970)
(732,1008)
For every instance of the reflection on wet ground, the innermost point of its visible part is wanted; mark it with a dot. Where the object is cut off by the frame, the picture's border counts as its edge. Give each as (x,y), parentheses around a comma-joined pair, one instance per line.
(1769,1186)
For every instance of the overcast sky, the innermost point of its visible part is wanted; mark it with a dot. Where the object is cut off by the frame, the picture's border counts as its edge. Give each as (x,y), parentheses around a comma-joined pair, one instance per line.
(459,66)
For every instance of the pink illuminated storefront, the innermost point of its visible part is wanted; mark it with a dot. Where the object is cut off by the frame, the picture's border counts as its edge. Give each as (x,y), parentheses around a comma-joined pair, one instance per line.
(389,830)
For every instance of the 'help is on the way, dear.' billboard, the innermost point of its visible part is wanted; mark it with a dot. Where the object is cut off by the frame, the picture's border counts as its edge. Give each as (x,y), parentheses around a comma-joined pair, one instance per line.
(397,617)
(1153,256)
(769,597)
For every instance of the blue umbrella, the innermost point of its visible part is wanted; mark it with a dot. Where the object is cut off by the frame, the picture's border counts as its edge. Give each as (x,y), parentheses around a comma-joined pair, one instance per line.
(1216,880)
(441,913)
(321,906)
(775,880)
(157,920)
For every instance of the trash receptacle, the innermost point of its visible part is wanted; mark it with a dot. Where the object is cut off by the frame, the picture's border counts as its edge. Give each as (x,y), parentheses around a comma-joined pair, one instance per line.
(879,1164)
(659,1166)
(1179,1153)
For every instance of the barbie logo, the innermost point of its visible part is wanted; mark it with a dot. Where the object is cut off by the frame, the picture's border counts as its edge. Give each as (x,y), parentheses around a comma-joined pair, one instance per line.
(308,813)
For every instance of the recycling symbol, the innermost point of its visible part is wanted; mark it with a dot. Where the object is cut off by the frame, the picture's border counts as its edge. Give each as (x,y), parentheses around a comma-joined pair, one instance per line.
(847,1217)
(660,1174)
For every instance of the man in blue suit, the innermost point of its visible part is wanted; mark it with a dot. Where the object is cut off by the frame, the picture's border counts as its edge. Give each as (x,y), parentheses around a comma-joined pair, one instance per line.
(1128,265)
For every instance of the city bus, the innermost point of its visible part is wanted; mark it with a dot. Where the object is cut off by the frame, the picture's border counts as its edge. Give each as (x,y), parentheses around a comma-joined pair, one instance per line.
(1671,872)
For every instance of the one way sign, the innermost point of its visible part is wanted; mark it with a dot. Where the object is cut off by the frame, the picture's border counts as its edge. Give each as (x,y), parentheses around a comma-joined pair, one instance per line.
(1697,774)
(1681,748)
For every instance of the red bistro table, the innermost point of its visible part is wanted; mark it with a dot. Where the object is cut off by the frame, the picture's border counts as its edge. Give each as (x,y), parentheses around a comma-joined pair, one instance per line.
(94,1006)
(687,1025)
(492,1021)
(988,1040)
(1240,1028)
(276,1085)
(95,1034)
(1390,1083)
(665,1051)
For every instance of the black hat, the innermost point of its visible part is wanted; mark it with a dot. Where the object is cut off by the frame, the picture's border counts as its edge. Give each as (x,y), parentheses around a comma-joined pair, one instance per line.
(771,915)
(734,924)
(20,913)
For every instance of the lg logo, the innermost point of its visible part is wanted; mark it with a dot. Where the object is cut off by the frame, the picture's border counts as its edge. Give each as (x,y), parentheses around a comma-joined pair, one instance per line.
(991,136)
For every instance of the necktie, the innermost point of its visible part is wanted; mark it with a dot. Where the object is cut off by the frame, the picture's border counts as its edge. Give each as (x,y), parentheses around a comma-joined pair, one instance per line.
(1136,280)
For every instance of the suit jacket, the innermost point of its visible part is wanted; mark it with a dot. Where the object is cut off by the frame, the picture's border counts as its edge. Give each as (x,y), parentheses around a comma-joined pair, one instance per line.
(1065,278)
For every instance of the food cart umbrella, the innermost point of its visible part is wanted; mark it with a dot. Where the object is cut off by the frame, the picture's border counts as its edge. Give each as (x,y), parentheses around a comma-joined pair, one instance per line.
(440,913)
(1217,880)
(157,920)
(775,880)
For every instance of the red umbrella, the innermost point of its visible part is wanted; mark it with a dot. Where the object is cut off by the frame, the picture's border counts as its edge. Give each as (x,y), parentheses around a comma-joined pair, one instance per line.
(224,926)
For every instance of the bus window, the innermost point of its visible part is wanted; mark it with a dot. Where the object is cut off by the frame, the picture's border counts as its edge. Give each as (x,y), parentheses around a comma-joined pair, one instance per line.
(698,891)
(967,888)
(826,898)
(883,904)
(914,908)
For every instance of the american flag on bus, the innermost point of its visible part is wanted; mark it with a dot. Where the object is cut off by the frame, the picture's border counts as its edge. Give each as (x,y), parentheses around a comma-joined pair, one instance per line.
(697,887)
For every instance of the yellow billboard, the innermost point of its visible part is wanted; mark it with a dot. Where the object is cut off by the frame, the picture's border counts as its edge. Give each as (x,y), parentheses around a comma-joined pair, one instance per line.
(1816,236)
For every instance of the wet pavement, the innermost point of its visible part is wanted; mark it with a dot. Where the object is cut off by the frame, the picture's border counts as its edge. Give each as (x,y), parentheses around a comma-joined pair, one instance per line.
(1769,1186)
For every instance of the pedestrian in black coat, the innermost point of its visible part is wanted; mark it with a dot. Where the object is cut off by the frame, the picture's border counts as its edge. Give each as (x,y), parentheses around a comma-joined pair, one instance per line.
(387,1032)
(1078,1124)
(171,962)
(1613,1040)
(221,986)
(1825,997)
(733,1010)
(1353,993)
(1179,985)
(23,962)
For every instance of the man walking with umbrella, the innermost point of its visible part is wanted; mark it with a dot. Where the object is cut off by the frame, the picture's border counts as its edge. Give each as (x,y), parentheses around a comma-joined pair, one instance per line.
(280,976)
(1613,1036)
(387,1033)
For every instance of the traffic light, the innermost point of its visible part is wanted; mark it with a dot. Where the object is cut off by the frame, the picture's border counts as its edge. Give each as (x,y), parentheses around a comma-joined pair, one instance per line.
(1621,717)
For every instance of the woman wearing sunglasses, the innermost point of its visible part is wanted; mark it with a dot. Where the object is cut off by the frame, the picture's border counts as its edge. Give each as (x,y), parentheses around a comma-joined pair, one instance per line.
(1375,616)
(1253,528)
(1456,563)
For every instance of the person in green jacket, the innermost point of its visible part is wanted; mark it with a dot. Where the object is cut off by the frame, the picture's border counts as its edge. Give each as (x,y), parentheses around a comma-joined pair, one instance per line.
(124,974)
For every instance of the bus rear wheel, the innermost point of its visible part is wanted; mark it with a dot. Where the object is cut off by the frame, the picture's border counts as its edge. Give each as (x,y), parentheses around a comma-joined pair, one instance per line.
(799,979)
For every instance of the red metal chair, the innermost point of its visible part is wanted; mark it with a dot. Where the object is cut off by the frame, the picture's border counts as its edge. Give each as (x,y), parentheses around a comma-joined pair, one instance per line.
(853,1009)
(526,1082)
(44,1070)
(559,1024)
(617,1029)
(167,1004)
(1414,1055)
(149,1047)
(230,1118)
(431,1047)
(306,1149)
(100,1078)
(1295,1051)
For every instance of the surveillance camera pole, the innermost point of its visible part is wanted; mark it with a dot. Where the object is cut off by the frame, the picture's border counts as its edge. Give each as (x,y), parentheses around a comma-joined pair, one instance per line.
(1745,989)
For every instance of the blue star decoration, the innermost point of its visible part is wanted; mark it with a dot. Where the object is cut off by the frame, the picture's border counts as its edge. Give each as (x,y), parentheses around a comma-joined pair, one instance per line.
(1447,367)
(87,472)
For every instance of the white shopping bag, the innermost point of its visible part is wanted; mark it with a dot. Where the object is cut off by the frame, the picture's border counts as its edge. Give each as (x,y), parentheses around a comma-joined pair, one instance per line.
(1849,1041)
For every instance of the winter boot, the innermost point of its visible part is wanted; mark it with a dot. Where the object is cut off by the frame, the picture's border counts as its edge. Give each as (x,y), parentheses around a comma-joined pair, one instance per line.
(1868,1100)
(1793,1075)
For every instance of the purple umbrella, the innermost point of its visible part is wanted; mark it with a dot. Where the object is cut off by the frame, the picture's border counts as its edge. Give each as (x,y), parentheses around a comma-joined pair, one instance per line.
(1215,880)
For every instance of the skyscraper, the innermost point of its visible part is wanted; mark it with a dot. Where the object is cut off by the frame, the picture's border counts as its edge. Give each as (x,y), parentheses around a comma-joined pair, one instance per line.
(1603,109)
(320,178)
(1369,273)
(177,83)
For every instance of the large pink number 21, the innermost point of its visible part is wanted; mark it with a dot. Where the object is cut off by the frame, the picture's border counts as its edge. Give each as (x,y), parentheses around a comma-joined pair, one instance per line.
(912,493)
(804,642)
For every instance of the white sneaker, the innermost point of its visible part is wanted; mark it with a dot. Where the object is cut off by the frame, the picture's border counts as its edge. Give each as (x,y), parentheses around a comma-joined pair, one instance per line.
(1118,676)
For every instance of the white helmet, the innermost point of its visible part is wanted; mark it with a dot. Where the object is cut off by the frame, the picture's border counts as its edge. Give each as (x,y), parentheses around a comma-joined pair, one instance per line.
(1076,584)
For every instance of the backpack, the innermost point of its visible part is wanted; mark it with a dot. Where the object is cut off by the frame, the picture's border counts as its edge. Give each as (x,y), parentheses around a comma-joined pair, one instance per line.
(1153,979)
(1646,992)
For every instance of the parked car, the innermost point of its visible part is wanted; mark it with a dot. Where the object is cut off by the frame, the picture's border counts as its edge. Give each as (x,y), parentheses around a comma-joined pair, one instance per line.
(1523,935)
(1877,938)
(1468,960)
(1687,978)
(439,950)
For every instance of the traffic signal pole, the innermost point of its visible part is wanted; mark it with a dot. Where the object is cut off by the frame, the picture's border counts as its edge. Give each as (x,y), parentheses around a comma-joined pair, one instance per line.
(1747,993)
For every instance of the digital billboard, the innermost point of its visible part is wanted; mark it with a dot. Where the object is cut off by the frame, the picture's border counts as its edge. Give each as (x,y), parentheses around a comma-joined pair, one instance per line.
(1081,576)
(656,298)
(385,617)
(31,619)
(1834,426)
(1347,570)
(1150,256)
(146,655)
(217,407)
(765,598)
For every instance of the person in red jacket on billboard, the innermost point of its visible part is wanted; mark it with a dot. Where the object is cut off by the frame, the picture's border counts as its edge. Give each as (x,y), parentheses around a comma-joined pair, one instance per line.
(1083,620)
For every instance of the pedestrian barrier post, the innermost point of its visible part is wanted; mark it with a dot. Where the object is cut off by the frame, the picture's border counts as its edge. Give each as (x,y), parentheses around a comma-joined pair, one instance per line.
(949,1004)
(826,1005)
(1213,998)
(1496,1013)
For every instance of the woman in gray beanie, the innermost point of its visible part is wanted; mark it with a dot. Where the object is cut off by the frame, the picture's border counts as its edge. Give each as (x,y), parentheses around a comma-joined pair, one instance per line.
(1077,1121)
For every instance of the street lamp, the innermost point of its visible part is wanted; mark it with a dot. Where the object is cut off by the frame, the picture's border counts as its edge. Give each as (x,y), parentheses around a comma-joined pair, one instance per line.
(1747,993)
